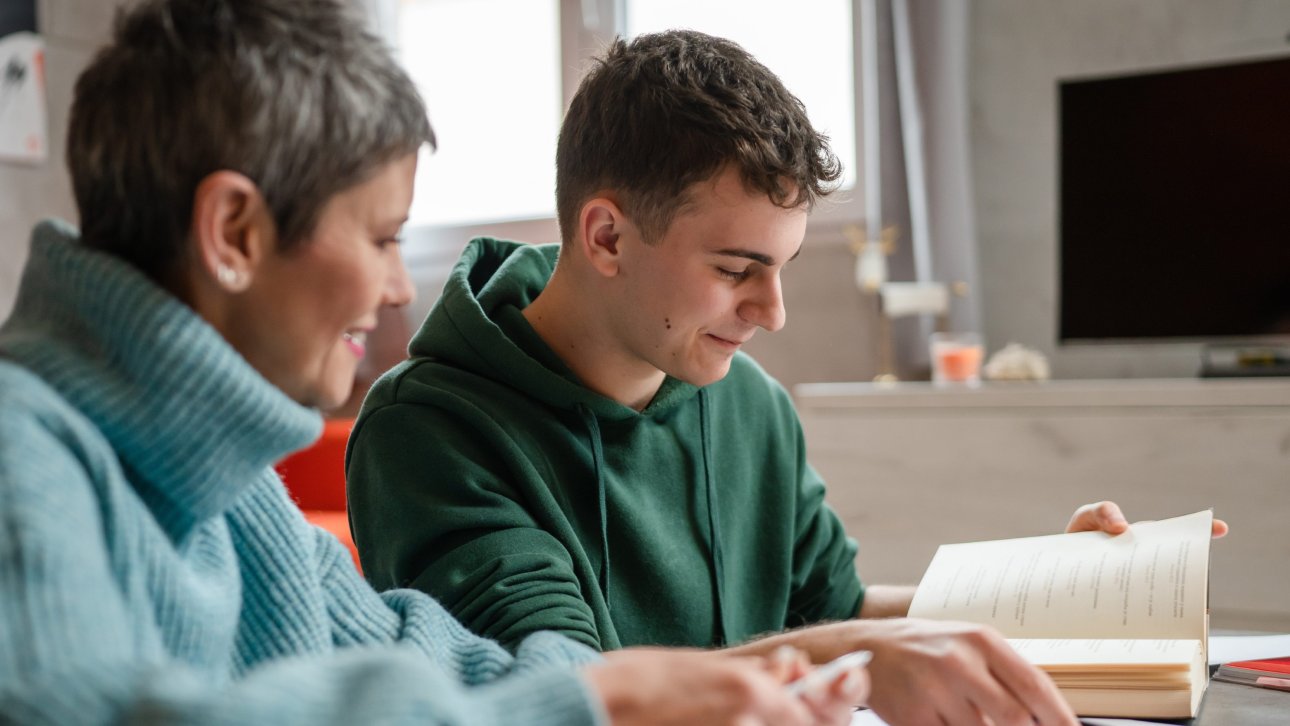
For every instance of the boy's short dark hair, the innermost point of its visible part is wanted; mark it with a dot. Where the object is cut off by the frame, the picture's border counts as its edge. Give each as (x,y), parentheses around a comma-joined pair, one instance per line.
(670,109)
(294,94)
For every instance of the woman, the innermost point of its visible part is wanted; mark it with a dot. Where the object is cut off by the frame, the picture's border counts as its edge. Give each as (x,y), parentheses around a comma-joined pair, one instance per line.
(241,172)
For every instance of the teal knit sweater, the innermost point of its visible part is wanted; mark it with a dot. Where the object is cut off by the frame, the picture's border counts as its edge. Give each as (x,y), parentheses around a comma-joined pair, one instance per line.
(153,568)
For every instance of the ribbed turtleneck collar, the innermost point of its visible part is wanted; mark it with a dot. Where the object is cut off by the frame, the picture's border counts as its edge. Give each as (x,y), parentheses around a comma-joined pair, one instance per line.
(191,421)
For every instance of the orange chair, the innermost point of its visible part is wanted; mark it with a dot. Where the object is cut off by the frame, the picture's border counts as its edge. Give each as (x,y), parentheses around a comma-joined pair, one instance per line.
(315,477)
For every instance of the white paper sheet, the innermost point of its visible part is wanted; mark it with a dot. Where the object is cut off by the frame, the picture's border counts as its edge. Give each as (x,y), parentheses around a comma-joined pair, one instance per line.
(1227,648)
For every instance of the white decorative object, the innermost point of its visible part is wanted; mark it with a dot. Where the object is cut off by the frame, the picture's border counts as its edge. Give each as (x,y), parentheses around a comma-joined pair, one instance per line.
(914,298)
(871,268)
(1016,362)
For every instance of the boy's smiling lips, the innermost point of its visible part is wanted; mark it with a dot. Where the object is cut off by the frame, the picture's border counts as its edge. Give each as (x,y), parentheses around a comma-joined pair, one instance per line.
(727,342)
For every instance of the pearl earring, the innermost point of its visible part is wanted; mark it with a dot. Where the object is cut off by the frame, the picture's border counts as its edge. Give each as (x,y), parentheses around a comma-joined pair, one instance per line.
(228,276)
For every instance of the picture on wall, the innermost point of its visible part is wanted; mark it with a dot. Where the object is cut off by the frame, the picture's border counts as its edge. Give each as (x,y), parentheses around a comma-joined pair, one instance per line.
(23,135)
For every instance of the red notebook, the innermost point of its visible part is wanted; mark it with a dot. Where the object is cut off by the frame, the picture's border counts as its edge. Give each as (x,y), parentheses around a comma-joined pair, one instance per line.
(1249,671)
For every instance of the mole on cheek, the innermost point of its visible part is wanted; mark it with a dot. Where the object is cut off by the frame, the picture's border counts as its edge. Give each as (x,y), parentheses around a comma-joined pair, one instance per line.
(668,323)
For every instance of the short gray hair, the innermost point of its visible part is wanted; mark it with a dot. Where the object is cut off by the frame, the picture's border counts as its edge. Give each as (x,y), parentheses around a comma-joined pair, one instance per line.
(295,94)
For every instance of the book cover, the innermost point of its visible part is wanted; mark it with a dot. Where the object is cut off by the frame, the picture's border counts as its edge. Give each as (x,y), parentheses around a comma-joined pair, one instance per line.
(1248,672)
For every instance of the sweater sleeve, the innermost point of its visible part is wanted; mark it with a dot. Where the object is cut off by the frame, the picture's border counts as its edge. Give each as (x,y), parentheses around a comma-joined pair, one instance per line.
(825,584)
(444,502)
(77,644)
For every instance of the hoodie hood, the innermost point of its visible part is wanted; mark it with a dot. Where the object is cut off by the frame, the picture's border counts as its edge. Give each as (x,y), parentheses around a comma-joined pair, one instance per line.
(472,324)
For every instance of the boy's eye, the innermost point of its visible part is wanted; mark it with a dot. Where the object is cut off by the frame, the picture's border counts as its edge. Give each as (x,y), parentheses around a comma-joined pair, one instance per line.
(732,274)
(388,241)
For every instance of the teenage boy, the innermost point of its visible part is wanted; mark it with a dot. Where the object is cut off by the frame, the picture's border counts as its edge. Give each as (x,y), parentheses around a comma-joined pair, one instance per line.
(607,464)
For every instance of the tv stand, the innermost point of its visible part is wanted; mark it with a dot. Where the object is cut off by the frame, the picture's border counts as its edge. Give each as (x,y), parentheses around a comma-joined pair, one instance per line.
(1245,361)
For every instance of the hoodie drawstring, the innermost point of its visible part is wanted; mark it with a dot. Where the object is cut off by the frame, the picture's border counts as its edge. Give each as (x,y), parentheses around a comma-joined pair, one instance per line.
(597,462)
(714,520)
(710,491)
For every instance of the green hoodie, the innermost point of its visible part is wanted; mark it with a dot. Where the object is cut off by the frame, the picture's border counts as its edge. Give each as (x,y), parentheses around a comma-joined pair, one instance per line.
(482,472)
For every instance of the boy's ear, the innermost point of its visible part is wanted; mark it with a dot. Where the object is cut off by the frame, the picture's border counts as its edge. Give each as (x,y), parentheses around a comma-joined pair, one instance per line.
(232,230)
(602,225)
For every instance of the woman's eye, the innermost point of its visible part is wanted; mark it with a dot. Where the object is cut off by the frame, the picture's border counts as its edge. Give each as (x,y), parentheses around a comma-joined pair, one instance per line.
(388,241)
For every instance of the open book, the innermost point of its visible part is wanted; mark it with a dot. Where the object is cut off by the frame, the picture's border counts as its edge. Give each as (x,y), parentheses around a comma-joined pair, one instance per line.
(1120,623)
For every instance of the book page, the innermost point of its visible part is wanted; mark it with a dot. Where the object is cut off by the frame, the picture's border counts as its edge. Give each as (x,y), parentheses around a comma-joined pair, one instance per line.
(1058,653)
(1150,582)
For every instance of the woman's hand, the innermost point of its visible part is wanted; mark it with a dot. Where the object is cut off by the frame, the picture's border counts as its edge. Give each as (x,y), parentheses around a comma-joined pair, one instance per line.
(656,686)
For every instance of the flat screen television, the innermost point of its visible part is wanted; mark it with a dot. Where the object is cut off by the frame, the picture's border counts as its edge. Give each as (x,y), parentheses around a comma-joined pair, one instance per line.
(1175,205)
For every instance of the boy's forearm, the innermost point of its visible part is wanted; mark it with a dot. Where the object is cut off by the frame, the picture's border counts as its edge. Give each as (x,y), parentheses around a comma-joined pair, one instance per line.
(886,601)
(827,641)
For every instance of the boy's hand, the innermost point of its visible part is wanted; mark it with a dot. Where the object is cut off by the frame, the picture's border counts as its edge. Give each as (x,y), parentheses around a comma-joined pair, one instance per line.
(1107,517)
(927,671)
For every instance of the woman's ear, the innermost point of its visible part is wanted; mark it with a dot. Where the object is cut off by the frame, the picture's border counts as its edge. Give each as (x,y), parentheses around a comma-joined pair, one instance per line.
(602,227)
(232,229)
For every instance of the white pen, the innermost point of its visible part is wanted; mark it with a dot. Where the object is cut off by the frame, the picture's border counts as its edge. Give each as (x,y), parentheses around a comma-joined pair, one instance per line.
(829,672)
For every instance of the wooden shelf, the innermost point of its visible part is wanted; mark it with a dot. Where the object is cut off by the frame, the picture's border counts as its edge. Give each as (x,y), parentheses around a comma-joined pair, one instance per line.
(912,466)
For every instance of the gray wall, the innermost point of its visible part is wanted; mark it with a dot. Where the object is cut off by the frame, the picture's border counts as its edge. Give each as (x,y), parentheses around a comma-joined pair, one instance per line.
(1018,51)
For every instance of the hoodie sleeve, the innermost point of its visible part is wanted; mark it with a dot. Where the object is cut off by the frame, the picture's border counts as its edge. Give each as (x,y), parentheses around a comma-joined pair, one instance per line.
(441,500)
(825,583)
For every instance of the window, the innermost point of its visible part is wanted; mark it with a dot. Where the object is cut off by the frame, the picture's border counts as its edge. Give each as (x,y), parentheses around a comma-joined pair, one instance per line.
(497,74)
(489,71)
